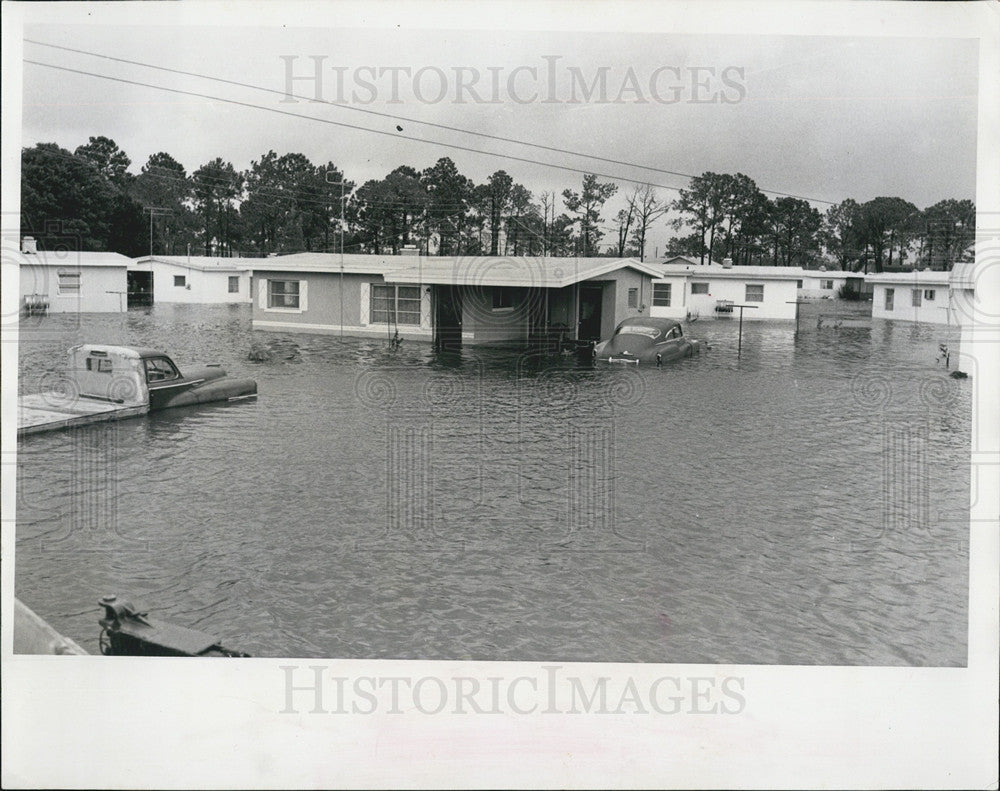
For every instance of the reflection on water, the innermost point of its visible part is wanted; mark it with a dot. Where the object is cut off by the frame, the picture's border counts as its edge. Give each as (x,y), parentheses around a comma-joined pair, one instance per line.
(803,503)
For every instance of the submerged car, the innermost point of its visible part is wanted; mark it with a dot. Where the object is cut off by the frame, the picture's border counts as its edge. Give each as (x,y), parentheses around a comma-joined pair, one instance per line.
(643,339)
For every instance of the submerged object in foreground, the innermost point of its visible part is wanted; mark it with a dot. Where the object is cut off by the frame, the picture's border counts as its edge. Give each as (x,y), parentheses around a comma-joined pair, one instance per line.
(127,632)
(643,339)
(113,382)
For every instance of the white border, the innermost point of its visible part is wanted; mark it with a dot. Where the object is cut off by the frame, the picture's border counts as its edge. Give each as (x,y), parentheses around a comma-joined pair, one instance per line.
(127,723)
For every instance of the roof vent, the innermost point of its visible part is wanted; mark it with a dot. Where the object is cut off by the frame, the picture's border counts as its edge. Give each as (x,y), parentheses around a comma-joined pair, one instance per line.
(727,263)
(29,246)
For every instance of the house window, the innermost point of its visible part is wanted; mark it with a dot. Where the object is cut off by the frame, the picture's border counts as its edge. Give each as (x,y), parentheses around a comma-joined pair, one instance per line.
(633,297)
(395,305)
(890,295)
(798,284)
(915,296)
(503,298)
(699,288)
(69,282)
(929,294)
(755,292)
(180,281)
(661,295)
(234,284)
(826,285)
(283,294)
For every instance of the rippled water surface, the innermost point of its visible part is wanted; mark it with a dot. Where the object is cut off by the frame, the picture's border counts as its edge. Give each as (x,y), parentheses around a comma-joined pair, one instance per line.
(806,503)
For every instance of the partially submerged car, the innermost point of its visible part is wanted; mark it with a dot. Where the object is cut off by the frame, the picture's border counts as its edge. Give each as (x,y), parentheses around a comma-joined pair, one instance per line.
(113,382)
(643,339)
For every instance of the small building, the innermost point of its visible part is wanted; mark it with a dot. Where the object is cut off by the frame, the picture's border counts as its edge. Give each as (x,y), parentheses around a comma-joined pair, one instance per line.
(480,300)
(197,279)
(70,281)
(685,291)
(826,284)
(923,296)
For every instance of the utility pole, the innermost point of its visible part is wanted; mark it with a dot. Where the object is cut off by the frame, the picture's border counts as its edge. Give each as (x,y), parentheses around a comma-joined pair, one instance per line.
(153,211)
(342,218)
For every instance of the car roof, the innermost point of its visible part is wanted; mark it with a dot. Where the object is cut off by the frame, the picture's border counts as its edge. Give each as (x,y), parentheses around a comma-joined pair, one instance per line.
(650,321)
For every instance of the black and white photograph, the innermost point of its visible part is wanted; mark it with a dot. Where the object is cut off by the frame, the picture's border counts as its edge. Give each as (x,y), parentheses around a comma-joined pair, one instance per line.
(503,395)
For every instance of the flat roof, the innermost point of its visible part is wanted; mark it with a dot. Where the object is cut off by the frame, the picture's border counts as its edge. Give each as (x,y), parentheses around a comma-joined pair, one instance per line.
(70,258)
(523,271)
(732,272)
(204,263)
(923,277)
(354,263)
(529,271)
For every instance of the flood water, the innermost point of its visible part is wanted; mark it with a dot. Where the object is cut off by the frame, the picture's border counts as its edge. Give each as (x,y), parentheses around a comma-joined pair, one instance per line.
(803,503)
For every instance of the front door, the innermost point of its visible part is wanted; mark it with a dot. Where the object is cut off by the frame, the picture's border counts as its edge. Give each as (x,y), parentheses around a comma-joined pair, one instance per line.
(447,318)
(589,323)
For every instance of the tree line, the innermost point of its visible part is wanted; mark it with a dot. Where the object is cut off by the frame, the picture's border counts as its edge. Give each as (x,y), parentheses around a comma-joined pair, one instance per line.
(728,216)
(286,203)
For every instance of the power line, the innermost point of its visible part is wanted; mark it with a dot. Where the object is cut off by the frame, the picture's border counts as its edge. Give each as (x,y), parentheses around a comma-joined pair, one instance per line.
(394,135)
(446,127)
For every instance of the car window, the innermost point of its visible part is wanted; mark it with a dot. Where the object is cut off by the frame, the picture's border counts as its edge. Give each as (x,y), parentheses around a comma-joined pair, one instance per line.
(160,369)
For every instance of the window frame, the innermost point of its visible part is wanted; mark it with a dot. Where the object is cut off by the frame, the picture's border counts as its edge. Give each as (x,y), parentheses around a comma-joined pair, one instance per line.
(393,312)
(180,281)
(826,285)
(234,280)
(270,294)
(64,289)
(916,298)
(746,292)
(657,299)
(890,300)
(701,284)
(930,294)
(633,298)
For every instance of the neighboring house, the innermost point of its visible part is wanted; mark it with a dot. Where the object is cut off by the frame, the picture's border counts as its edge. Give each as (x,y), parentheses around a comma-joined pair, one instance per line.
(68,281)
(482,300)
(193,279)
(689,290)
(923,296)
(824,284)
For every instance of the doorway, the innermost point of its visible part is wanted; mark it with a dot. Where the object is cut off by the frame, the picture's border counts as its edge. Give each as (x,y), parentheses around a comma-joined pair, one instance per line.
(589,320)
(140,289)
(447,318)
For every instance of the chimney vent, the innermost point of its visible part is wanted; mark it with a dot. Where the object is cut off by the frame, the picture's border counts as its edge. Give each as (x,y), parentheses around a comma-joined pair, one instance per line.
(29,246)
(727,263)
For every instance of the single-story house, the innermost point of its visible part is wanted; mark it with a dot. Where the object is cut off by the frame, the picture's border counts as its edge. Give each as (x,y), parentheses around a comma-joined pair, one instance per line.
(70,281)
(686,290)
(826,284)
(194,279)
(476,300)
(923,296)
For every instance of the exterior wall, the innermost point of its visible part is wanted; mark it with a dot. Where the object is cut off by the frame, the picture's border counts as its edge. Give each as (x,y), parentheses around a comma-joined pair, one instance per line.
(102,288)
(614,307)
(201,287)
(685,304)
(812,284)
(936,311)
(320,301)
(484,324)
(679,298)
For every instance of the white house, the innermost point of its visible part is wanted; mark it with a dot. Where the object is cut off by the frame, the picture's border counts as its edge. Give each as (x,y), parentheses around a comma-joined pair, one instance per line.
(192,279)
(69,281)
(688,290)
(923,296)
(825,284)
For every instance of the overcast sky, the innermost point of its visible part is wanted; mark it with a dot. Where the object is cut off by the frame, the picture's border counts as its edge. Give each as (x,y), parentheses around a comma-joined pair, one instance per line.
(822,117)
